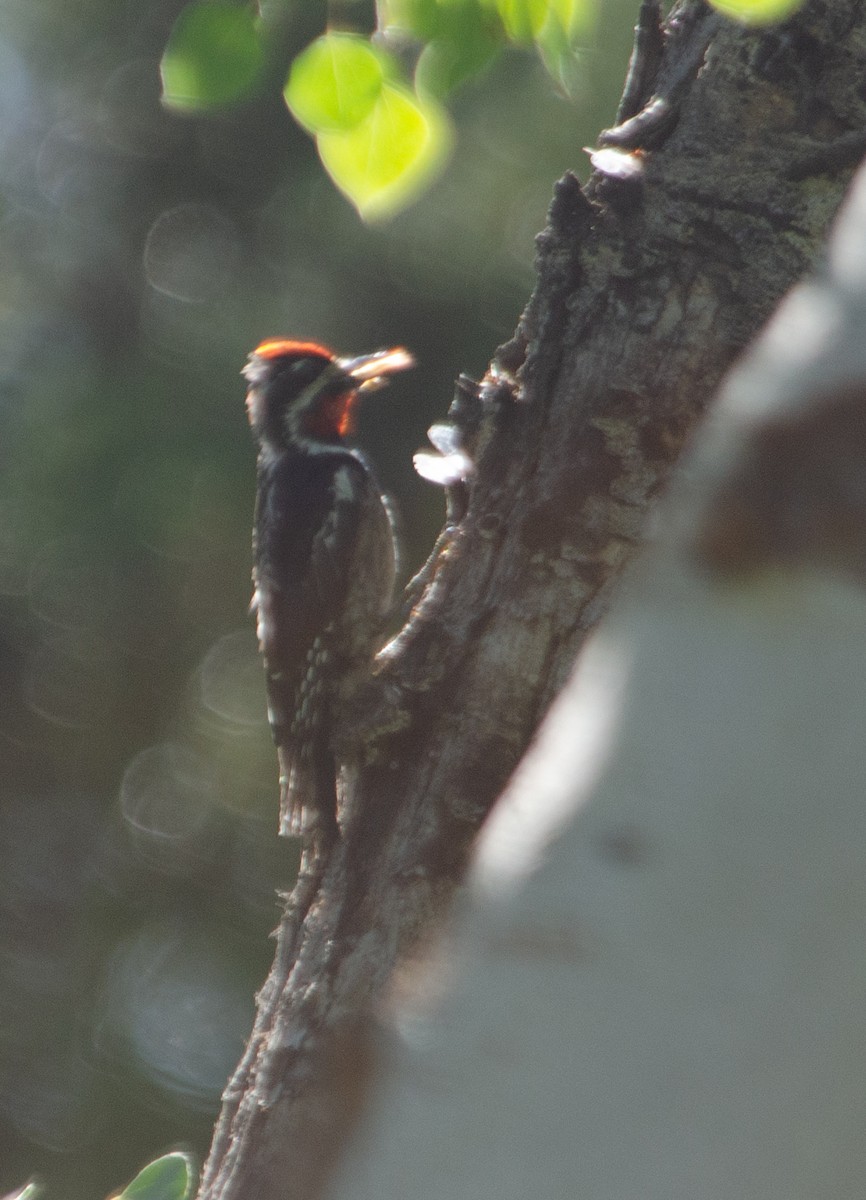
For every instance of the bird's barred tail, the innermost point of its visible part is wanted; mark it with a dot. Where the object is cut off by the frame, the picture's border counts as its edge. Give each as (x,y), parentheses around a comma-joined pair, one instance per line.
(308,789)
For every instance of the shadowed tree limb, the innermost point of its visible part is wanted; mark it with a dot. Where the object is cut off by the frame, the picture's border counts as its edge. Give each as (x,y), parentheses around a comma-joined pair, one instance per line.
(656,969)
(714,200)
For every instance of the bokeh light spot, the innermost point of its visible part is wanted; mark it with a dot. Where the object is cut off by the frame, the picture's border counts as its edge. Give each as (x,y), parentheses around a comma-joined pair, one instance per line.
(232,681)
(174,1006)
(167,799)
(191,253)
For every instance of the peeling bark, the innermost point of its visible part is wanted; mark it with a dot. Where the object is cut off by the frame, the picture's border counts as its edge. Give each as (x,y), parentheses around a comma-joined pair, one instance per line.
(713,197)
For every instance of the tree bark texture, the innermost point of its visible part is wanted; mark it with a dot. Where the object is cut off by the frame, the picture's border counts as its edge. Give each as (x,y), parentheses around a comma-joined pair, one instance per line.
(659,965)
(709,199)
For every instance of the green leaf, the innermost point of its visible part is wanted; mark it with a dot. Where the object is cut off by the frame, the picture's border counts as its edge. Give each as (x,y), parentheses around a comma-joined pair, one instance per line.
(757,12)
(392,155)
(557,54)
(467,37)
(574,17)
(168,1178)
(213,56)
(421,18)
(446,62)
(567,21)
(523,19)
(335,82)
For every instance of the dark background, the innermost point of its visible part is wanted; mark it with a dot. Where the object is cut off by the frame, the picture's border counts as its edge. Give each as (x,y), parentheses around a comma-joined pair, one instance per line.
(142,255)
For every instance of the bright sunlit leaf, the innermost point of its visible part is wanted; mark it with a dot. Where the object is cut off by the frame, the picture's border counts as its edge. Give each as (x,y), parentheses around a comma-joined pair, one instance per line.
(391,155)
(335,82)
(757,12)
(213,56)
(168,1178)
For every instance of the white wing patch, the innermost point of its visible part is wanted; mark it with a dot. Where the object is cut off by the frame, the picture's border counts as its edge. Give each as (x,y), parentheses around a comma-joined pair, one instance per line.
(263,627)
(344,487)
(311,692)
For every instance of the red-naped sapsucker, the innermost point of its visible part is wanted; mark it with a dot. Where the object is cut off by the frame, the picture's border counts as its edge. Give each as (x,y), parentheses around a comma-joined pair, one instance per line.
(324,556)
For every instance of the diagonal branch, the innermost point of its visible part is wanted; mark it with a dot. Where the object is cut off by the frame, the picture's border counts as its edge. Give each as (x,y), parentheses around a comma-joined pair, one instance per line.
(650,281)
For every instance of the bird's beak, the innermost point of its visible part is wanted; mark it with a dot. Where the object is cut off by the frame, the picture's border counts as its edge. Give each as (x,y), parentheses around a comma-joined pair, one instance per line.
(370,371)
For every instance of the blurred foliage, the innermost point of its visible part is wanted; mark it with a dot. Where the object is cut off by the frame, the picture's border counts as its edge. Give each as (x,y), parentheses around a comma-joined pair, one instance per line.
(335,83)
(379,143)
(214,56)
(758,12)
(145,251)
(381,136)
(171,1177)
(390,156)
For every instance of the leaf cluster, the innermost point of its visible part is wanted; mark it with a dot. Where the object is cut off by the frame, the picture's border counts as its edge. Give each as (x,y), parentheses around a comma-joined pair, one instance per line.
(375,105)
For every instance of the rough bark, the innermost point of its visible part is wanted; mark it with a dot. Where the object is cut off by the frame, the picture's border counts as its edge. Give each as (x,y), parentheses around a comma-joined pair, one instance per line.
(660,978)
(709,200)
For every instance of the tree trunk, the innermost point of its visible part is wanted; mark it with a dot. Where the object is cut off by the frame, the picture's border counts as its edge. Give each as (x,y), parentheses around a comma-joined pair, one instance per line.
(709,199)
(660,964)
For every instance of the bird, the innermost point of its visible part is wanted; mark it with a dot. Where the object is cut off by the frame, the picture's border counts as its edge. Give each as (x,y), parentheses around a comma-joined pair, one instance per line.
(324,557)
